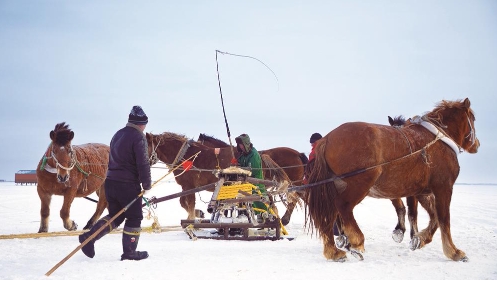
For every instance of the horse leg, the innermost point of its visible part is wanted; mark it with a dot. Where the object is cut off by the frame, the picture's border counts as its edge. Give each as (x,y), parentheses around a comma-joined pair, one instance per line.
(442,207)
(400,228)
(350,228)
(412,214)
(45,199)
(188,203)
(428,203)
(66,209)
(288,213)
(101,205)
(330,251)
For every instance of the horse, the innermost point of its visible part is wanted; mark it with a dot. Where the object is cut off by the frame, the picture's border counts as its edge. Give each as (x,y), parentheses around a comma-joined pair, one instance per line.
(171,148)
(71,171)
(359,159)
(291,161)
(426,201)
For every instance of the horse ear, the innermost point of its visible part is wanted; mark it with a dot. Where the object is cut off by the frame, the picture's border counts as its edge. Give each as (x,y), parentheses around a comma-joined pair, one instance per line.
(52,135)
(71,135)
(390,120)
(467,103)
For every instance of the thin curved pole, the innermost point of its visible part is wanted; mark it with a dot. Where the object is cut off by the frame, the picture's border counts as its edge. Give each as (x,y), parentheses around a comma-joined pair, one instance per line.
(221,92)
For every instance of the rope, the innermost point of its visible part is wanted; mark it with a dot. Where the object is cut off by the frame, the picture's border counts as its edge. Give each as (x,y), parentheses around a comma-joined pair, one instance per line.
(353,173)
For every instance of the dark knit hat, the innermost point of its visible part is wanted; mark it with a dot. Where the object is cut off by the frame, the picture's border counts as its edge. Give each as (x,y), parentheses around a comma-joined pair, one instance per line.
(315,137)
(137,116)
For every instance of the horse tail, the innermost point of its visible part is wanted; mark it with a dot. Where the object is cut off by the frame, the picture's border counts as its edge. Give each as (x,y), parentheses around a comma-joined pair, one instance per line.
(279,174)
(274,169)
(320,208)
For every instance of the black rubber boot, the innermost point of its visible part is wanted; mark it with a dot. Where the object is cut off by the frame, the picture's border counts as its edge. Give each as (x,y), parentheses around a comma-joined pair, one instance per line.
(89,248)
(131,236)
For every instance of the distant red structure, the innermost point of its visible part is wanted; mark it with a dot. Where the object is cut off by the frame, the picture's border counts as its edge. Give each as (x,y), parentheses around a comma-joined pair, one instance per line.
(26,177)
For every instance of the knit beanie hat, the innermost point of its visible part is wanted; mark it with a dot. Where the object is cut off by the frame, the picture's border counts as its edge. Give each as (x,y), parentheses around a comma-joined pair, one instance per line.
(315,137)
(137,116)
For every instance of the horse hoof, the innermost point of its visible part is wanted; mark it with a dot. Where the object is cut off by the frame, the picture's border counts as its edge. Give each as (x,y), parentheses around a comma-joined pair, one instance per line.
(342,259)
(414,244)
(357,255)
(398,235)
(73,227)
(465,259)
(341,241)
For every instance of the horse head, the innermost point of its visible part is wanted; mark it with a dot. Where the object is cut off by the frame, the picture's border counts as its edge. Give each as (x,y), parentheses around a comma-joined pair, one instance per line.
(62,152)
(153,159)
(457,119)
(166,147)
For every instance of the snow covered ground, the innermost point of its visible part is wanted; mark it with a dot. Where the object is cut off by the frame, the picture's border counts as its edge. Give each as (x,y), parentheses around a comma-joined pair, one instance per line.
(174,256)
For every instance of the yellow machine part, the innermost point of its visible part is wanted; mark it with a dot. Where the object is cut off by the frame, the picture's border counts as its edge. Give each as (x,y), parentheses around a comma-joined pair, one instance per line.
(231,191)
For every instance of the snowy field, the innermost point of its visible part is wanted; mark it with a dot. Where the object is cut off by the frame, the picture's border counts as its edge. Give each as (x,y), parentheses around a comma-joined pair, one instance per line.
(174,256)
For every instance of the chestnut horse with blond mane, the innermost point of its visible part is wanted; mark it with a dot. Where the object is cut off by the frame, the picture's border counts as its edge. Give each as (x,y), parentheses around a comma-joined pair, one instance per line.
(359,159)
(71,171)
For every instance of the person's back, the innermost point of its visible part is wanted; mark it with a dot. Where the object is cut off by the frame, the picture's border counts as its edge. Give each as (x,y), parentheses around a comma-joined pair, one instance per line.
(128,172)
(124,165)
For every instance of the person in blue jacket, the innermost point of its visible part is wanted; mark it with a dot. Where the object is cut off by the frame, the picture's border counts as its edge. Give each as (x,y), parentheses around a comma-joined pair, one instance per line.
(128,173)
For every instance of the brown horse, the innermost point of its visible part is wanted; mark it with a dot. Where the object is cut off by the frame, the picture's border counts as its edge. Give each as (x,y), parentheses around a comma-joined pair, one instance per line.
(361,159)
(290,160)
(71,171)
(426,201)
(172,148)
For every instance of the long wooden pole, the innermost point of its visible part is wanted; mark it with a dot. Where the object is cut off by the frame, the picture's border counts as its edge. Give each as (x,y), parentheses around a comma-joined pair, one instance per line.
(111,220)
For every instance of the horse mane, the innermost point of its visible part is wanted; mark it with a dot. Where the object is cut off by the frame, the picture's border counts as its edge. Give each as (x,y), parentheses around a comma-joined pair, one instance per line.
(303,158)
(444,104)
(397,121)
(203,137)
(62,134)
(171,136)
(436,115)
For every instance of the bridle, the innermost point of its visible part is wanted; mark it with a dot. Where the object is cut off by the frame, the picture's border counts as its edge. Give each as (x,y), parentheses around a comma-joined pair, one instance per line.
(72,163)
(153,159)
(472,132)
(181,152)
(435,127)
(54,170)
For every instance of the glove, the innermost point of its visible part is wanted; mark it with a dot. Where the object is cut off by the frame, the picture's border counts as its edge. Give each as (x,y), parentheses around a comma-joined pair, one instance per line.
(146,191)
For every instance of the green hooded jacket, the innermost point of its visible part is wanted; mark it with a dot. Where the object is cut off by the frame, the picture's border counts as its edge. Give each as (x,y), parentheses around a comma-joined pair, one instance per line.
(253,161)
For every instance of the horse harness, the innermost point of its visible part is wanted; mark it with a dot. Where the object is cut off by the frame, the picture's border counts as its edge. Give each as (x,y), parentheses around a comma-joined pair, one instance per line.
(424,121)
(74,163)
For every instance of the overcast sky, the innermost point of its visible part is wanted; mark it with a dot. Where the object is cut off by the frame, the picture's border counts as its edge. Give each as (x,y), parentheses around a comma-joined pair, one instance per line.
(87,63)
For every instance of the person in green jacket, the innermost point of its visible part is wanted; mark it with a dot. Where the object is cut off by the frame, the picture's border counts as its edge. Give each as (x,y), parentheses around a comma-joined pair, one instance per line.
(250,158)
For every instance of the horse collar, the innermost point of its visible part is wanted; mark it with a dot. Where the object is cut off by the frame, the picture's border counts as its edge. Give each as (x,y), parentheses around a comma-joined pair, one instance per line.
(440,134)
